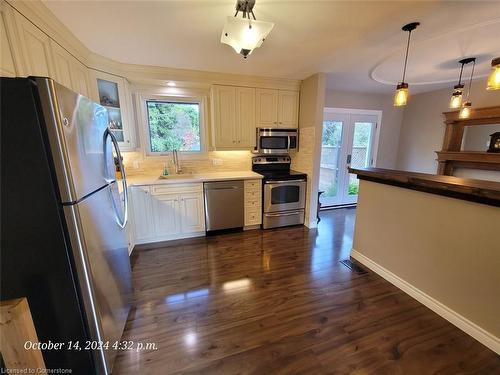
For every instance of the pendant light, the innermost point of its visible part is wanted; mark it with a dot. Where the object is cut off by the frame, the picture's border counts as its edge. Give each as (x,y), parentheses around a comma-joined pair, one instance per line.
(401,95)
(466,107)
(458,89)
(245,34)
(494,77)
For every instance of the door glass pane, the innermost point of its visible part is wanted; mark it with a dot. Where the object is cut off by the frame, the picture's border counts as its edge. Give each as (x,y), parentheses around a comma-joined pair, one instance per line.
(330,162)
(360,155)
(285,194)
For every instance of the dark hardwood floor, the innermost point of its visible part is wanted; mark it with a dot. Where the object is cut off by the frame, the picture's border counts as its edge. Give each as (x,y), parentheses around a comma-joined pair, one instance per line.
(279,302)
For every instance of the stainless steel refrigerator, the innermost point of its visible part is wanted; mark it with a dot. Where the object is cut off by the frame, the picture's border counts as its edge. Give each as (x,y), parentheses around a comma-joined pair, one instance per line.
(63,240)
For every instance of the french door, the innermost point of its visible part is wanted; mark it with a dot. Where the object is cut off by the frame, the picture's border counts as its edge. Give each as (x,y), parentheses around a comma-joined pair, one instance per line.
(348,141)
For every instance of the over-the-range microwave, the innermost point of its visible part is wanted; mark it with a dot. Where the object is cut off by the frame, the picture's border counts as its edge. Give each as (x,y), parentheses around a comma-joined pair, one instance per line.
(277,141)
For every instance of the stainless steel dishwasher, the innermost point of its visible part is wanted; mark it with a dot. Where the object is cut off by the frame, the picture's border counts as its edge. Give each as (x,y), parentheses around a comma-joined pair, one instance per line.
(224,205)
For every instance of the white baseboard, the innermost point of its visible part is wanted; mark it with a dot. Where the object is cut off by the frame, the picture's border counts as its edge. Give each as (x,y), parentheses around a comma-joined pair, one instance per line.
(472,329)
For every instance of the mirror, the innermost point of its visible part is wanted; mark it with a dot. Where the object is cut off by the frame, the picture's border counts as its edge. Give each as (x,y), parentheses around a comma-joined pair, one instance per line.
(477,138)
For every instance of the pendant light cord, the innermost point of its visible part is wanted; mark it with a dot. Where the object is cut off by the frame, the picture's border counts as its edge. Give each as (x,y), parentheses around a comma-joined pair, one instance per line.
(461,71)
(470,80)
(406,57)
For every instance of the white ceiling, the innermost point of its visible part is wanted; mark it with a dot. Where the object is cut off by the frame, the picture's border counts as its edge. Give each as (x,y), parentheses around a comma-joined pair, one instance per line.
(358,43)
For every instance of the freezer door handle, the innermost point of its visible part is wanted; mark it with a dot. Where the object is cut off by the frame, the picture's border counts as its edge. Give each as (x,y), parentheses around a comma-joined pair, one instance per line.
(109,134)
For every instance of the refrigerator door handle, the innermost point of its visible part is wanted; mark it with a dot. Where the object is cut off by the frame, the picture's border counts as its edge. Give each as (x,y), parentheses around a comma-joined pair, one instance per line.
(109,134)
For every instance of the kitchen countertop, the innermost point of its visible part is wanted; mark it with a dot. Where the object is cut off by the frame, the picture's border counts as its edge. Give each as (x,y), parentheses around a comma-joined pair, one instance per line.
(480,191)
(154,179)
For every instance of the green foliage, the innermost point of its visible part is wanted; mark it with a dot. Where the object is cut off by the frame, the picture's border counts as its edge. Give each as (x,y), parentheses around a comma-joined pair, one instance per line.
(332,133)
(331,191)
(353,189)
(174,126)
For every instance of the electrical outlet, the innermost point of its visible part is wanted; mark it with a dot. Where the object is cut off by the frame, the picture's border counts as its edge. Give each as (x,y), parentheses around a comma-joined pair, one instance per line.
(216,162)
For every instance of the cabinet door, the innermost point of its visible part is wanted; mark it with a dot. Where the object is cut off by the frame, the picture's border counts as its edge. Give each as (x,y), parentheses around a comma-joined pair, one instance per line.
(245,117)
(7,61)
(63,62)
(288,109)
(35,47)
(166,215)
(80,78)
(141,210)
(224,99)
(192,216)
(112,92)
(267,108)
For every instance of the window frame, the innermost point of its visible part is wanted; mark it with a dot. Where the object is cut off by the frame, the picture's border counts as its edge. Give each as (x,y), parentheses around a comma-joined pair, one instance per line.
(200,100)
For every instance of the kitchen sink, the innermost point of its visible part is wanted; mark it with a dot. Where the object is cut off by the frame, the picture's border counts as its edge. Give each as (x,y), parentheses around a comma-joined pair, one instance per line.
(177,176)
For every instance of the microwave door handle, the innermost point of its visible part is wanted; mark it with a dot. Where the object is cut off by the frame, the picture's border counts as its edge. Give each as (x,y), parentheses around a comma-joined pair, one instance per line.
(289,143)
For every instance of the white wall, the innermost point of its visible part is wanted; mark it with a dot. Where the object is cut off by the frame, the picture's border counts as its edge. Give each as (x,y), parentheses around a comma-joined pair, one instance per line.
(391,120)
(455,263)
(307,159)
(422,129)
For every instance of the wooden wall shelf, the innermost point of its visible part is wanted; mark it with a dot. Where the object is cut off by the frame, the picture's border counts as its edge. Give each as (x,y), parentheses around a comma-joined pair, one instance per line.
(467,159)
(451,157)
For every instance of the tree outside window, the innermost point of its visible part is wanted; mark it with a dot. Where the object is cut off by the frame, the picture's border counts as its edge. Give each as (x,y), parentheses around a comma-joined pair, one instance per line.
(173,126)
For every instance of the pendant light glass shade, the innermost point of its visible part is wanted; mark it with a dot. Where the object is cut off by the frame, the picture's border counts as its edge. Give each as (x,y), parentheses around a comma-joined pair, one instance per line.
(401,95)
(465,110)
(494,77)
(456,97)
(244,35)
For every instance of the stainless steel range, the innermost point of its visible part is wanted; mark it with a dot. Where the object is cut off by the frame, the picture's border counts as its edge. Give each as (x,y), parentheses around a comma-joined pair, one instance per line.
(284,191)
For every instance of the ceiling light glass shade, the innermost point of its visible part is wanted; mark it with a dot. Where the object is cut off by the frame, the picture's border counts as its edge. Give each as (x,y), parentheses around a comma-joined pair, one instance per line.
(456,97)
(401,95)
(245,35)
(465,110)
(494,77)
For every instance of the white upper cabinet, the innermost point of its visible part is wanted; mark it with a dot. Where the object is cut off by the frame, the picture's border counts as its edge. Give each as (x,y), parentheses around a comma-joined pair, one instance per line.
(267,108)
(36,51)
(113,93)
(233,117)
(277,108)
(7,62)
(288,109)
(80,78)
(224,115)
(69,71)
(63,64)
(245,117)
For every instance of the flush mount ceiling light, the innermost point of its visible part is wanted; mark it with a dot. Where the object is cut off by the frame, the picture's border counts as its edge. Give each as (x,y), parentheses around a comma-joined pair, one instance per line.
(466,107)
(401,95)
(171,84)
(458,89)
(494,77)
(245,34)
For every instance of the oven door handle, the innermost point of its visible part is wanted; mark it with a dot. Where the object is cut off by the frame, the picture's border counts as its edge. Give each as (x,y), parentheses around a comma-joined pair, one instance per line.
(283,214)
(283,181)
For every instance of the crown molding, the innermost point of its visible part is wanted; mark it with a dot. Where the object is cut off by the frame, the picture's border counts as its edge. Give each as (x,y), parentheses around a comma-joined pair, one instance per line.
(37,13)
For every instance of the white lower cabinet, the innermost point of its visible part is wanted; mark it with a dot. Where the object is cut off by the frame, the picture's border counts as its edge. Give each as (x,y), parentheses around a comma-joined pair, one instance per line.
(253,203)
(165,212)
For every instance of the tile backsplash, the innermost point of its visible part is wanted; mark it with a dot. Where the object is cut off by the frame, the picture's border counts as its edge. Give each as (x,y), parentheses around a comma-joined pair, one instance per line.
(214,161)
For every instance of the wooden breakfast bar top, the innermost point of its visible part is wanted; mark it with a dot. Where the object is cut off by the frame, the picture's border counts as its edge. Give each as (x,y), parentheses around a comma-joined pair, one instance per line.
(480,191)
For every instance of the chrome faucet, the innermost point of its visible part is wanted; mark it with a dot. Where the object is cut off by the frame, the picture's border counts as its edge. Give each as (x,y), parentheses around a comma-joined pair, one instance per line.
(177,163)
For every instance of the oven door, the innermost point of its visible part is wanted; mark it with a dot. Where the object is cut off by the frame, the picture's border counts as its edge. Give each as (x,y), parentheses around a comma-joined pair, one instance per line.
(284,195)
